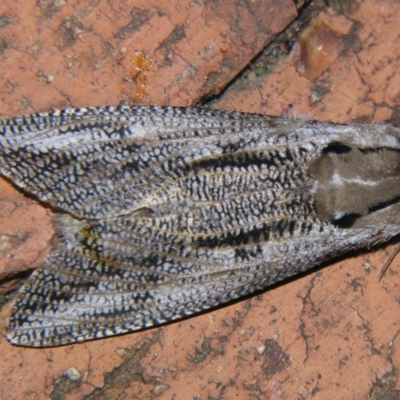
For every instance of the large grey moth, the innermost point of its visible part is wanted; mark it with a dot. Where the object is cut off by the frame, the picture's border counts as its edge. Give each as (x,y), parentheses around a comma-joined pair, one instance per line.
(165,212)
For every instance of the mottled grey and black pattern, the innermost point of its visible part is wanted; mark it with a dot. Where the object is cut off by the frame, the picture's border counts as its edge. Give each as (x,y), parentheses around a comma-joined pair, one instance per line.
(165,212)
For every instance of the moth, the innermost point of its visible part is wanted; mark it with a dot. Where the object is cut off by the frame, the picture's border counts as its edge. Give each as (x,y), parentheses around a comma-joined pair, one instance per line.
(166,212)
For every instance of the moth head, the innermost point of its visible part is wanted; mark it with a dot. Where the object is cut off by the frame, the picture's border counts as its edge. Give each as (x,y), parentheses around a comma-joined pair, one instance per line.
(352,183)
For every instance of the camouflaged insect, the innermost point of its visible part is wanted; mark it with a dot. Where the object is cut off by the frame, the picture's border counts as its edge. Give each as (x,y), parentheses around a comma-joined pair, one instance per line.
(165,212)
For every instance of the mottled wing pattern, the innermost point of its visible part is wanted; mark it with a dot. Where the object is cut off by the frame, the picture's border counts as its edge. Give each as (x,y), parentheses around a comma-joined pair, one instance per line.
(165,212)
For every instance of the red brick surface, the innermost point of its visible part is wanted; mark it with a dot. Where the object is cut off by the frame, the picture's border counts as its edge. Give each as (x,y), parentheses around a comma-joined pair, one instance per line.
(76,53)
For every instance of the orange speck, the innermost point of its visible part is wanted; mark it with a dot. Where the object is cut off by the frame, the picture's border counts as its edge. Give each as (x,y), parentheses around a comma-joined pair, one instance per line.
(139,66)
(224,49)
(138,72)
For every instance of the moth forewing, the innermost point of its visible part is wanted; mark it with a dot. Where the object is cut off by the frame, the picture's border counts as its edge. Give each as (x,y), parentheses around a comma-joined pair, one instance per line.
(166,212)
